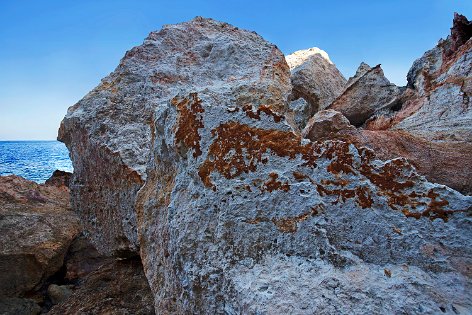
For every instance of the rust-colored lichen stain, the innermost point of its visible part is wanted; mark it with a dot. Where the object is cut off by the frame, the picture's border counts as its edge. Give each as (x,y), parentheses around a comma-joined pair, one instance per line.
(262,109)
(274,184)
(239,148)
(289,224)
(189,121)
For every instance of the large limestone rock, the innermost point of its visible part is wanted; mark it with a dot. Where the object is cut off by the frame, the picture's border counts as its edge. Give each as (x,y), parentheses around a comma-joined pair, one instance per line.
(315,79)
(439,109)
(37,226)
(365,93)
(109,131)
(249,218)
(238,213)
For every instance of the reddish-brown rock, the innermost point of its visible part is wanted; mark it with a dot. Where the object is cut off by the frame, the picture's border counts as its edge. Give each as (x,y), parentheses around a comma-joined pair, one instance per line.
(116,287)
(37,226)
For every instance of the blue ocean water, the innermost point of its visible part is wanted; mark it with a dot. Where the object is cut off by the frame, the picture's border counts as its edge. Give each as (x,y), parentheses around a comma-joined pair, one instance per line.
(33,160)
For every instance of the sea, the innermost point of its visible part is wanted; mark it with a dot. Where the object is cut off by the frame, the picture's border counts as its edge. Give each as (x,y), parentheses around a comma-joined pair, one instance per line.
(33,160)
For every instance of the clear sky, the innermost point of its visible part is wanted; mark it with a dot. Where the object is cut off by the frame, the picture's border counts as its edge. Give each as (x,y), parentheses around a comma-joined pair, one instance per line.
(52,52)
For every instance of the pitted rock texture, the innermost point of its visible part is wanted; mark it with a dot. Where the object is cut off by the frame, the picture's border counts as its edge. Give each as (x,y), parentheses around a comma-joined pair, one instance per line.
(226,220)
(365,93)
(37,226)
(314,78)
(238,213)
(109,131)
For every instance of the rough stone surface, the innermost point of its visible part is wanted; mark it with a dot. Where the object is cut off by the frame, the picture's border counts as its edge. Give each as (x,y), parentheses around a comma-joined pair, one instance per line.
(18,306)
(299,113)
(118,287)
(327,124)
(82,258)
(109,131)
(434,117)
(436,106)
(314,78)
(440,162)
(37,226)
(365,93)
(238,213)
(59,178)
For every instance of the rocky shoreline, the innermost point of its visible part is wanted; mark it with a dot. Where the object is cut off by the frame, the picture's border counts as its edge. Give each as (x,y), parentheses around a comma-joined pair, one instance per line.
(214,175)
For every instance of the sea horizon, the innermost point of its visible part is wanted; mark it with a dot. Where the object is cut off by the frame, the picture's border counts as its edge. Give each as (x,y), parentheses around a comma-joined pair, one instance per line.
(34,160)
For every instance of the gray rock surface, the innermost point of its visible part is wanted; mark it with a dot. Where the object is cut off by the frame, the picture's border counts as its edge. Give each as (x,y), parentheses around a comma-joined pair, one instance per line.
(314,78)
(213,223)
(59,293)
(365,93)
(238,213)
(440,106)
(109,131)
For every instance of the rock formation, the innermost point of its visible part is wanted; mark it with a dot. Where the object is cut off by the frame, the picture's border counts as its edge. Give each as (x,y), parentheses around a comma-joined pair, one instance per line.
(434,115)
(365,93)
(109,131)
(236,212)
(37,226)
(118,287)
(314,79)
(44,260)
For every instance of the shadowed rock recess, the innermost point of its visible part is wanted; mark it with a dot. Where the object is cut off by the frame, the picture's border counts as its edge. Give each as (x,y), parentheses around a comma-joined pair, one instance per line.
(188,155)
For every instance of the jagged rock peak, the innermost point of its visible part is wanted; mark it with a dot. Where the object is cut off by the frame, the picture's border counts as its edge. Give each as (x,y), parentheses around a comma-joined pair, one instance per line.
(461,31)
(366,92)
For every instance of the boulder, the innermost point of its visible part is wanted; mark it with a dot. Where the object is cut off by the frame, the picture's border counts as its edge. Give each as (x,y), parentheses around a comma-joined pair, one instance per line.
(328,124)
(314,78)
(37,226)
(118,287)
(59,179)
(246,223)
(82,258)
(238,213)
(109,131)
(59,293)
(365,93)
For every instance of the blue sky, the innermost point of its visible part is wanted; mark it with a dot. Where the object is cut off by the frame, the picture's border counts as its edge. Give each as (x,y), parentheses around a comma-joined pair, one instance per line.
(53,52)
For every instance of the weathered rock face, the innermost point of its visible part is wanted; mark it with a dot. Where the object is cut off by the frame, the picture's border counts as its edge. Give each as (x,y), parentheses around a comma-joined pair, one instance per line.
(37,226)
(238,213)
(109,131)
(327,125)
(434,116)
(118,287)
(227,221)
(437,106)
(437,161)
(365,93)
(314,78)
